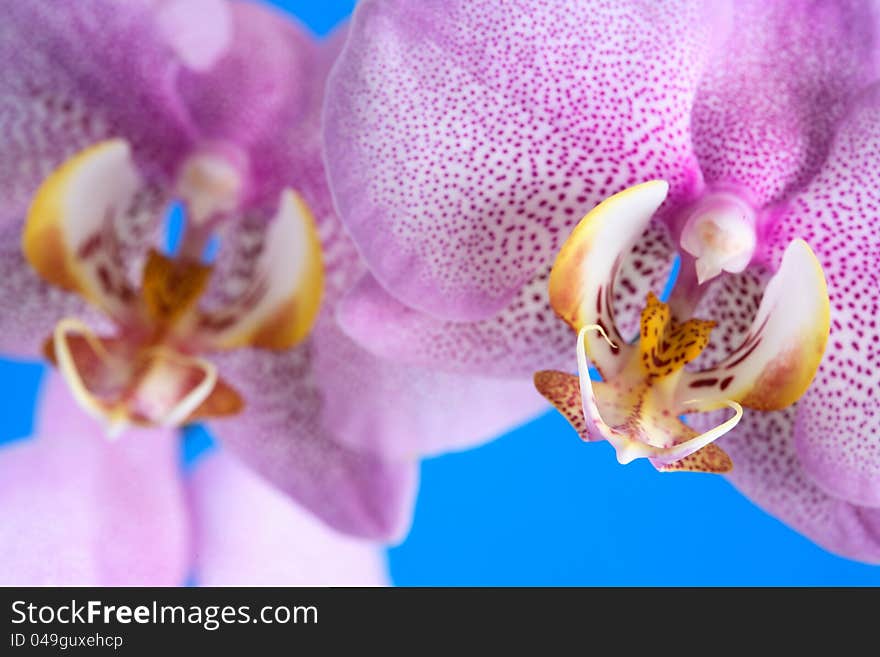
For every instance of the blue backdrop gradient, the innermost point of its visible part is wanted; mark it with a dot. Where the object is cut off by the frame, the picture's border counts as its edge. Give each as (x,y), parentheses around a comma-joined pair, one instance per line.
(538,507)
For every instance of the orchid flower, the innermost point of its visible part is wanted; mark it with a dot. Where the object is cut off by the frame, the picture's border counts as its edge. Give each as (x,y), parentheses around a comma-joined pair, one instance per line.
(466,140)
(111,113)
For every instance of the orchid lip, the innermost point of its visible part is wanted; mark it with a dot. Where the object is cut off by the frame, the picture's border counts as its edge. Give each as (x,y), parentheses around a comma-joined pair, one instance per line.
(149,372)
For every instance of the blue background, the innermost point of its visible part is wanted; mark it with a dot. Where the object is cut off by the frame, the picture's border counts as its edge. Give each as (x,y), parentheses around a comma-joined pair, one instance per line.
(538,507)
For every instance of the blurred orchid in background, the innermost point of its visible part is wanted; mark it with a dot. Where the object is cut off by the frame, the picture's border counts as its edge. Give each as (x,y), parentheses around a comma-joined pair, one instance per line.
(465,140)
(111,112)
(81,510)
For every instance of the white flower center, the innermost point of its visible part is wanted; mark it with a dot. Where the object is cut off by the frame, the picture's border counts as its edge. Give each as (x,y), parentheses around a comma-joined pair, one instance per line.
(211,185)
(720,234)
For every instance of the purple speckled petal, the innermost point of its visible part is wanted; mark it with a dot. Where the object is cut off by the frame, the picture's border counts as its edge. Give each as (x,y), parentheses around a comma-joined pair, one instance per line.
(769,102)
(401,411)
(79,509)
(523,338)
(526,336)
(767,470)
(31,307)
(280,434)
(465,139)
(247,533)
(75,73)
(837,432)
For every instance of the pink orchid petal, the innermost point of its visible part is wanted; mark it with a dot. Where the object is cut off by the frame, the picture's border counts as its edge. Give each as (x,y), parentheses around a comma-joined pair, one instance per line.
(526,336)
(281,435)
(767,470)
(198,30)
(401,411)
(523,338)
(31,307)
(81,510)
(466,139)
(248,533)
(769,102)
(264,96)
(75,73)
(837,432)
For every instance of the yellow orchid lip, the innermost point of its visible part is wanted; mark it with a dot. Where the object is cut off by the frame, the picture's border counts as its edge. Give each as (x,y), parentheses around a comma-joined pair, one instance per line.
(645,386)
(150,371)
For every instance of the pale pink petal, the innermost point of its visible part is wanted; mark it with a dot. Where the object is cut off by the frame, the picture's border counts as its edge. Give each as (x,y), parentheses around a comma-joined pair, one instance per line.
(767,470)
(283,436)
(768,104)
(402,411)
(523,338)
(837,432)
(81,510)
(248,533)
(466,139)
(199,31)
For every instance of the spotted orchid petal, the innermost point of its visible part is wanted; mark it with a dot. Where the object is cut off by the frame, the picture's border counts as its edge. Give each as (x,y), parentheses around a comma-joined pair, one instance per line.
(518,147)
(837,427)
(769,102)
(768,470)
(80,510)
(523,337)
(281,545)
